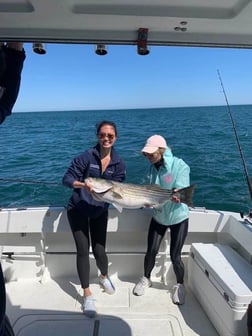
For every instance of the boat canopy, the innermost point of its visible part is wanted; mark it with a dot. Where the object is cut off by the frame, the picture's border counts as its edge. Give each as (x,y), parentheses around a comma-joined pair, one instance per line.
(216,23)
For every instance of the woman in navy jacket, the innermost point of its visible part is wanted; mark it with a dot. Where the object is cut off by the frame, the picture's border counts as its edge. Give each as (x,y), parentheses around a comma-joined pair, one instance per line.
(89,217)
(12,56)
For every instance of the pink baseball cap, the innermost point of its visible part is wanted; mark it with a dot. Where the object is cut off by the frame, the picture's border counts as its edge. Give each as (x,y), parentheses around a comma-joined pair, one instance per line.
(153,143)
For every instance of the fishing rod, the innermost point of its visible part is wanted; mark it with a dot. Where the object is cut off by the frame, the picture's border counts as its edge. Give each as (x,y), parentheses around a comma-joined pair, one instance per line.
(28,181)
(237,139)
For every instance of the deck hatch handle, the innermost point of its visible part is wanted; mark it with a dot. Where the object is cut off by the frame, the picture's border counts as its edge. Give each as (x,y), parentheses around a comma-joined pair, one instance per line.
(226,297)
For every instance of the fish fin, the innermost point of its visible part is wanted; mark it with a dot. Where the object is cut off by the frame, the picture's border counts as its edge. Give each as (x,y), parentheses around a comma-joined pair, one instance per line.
(101,190)
(118,207)
(186,195)
(117,193)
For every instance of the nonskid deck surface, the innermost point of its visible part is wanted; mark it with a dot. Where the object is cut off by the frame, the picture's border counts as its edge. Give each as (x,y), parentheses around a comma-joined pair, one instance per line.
(54,308)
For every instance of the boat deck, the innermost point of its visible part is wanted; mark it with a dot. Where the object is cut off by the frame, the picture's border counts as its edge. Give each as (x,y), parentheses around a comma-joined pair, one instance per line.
(38,257)
(54,308)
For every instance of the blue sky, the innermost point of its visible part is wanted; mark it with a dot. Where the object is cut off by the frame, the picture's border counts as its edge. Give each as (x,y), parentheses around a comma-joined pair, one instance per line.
(73,77)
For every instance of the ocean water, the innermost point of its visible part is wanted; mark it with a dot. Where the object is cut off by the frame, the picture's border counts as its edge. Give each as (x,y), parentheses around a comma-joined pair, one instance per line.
(37,147)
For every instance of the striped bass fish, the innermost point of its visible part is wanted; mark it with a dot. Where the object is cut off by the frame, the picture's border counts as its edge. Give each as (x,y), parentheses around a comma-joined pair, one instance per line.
(134,196)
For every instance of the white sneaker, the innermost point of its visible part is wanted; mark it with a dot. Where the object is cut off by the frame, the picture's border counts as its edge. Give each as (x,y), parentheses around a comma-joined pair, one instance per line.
(142,285)
(178,296)
(89,307)
(107,285)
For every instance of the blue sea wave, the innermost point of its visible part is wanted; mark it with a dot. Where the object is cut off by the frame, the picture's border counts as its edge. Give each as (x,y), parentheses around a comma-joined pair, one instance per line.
(38,146)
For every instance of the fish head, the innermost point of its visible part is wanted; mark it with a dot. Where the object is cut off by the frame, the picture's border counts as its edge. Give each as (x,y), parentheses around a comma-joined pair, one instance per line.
(98,185)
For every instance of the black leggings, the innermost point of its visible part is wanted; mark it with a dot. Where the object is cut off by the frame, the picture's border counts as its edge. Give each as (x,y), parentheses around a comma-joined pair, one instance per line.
(156,233)
(81,226)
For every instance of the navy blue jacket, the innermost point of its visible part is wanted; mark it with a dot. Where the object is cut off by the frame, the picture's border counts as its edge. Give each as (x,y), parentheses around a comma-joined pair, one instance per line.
(88,164)
(10,80)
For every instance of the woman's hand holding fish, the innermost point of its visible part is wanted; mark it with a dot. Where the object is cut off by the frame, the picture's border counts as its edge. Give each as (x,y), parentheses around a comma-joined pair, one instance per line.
(79,184)
(89,187)
(175,197)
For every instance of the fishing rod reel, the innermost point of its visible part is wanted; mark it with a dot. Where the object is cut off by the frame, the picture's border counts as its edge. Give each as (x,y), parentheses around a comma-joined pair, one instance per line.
(247,217)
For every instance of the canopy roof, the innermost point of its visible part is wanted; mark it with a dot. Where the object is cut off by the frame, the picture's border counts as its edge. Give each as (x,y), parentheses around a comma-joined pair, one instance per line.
(224,23)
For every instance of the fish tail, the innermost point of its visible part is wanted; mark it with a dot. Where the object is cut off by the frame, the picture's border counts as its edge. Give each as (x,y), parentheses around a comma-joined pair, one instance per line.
(186,195)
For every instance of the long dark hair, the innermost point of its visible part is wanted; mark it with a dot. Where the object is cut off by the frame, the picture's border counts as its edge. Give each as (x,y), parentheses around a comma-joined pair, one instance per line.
(105,122)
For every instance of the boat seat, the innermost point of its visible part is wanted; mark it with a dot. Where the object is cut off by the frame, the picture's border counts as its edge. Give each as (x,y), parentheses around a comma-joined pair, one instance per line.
(221,279)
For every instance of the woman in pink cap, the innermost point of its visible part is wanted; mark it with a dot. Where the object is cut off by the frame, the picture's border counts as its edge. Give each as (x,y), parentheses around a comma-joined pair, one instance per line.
(169,172)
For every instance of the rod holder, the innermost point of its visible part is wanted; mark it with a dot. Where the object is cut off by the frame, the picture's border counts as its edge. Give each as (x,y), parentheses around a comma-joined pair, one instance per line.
(39,48)
(101,50)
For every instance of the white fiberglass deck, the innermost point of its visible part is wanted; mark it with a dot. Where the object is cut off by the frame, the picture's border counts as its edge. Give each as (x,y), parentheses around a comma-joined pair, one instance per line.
(54,308)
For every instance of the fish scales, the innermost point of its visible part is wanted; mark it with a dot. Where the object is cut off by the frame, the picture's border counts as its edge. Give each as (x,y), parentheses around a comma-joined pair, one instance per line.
(143,190)
(133,196)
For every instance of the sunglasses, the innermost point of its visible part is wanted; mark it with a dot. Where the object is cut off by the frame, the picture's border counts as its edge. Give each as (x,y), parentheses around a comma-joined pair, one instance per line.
(106,135)
(149,154)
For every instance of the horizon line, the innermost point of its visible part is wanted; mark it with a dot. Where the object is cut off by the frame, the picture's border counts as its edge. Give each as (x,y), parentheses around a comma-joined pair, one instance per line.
(130,108)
